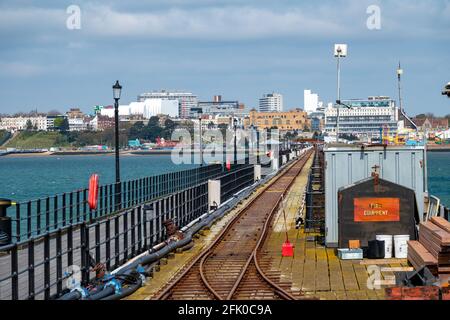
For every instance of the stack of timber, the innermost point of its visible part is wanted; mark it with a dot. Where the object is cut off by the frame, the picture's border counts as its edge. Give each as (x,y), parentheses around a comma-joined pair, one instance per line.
(420,257)
(433,248)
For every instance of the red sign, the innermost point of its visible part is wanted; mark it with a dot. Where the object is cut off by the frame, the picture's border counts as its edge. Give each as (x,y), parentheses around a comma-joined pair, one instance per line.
(376,209)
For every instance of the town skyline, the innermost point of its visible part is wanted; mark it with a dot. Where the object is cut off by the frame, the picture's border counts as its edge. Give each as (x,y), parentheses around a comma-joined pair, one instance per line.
(220,47)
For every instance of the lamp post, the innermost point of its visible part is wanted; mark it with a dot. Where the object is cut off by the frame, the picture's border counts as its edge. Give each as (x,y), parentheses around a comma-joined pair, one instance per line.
(117,89)
(200,112)
(235,140)
(399,77)
(340,51)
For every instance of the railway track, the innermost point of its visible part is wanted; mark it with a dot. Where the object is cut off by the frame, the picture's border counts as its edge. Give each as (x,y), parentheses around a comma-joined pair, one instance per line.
(231,268)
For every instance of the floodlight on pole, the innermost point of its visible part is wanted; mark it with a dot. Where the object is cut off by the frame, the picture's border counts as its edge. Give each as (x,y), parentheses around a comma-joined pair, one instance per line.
(399,77)
(340,51)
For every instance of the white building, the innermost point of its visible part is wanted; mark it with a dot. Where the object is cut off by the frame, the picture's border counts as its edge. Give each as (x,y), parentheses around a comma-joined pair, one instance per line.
(271,102)
(147,108)
(186,100)
(124,110)
(310,101)
(155,106)
(20,123)
(365,118)
(77,124)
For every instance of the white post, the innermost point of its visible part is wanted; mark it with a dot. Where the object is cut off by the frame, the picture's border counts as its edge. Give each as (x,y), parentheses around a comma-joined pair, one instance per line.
(213,193)
(257,172)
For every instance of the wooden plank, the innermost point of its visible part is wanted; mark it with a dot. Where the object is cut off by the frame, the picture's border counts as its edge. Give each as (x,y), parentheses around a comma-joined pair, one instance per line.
(382,261)
(348,273)
(361,275)
(416,249)
(397,269)
(441,223)
(334,266)
(441,235)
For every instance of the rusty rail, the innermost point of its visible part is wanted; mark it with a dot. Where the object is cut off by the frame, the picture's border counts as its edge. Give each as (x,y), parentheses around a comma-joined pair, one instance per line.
(229,268)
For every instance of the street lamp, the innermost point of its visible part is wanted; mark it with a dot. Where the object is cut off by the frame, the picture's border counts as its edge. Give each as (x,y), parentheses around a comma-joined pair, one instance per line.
(235,141)
(340,51)
(117,89)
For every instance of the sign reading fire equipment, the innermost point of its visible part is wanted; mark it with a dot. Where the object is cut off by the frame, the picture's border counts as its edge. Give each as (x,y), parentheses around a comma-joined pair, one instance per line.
(376,209)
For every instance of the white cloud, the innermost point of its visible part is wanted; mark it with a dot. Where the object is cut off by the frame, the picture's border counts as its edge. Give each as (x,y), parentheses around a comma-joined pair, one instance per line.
(325,20)
(20,69)
(209,23)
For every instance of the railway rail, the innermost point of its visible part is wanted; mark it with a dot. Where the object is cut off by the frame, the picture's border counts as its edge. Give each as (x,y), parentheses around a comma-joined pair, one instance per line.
(232,267)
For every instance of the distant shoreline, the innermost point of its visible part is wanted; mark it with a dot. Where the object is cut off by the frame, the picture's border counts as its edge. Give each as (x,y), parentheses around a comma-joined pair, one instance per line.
(83,153)
(434,148)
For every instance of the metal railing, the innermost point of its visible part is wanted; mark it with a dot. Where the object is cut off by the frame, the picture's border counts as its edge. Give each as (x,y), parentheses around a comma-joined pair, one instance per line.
(240,178)
(315,195)
(35,217)
(39,267)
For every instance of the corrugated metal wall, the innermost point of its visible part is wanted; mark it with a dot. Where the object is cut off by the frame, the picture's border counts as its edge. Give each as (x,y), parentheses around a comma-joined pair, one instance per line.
(346,165)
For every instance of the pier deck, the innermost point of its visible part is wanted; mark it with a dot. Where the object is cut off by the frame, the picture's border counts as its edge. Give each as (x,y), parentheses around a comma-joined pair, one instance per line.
(315,271)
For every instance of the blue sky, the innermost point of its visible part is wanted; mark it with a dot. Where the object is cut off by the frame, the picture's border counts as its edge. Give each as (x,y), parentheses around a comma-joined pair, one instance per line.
(240,49)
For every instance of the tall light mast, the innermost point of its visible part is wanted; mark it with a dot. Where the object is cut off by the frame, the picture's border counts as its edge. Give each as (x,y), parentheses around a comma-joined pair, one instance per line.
(399,78)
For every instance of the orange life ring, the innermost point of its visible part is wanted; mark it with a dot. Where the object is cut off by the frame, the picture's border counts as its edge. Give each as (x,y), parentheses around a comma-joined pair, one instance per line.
(93,192)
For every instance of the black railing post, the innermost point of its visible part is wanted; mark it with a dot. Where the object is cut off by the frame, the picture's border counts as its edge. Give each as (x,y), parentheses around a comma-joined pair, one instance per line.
(78,206)
(47,214)
(31,269)
(55,212)
(64,205)
(139,227)
(71,207)
(133,232)
(29,230)
(118,196)
(84,262)
(59,273)
(108,243)
(111,197)
(47,266)
(129,192)
(125,235)
(116,241)
(100,202)
(144,221)
(85,203)
(38,216)
(18,223)
(14,273)
(97,242)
